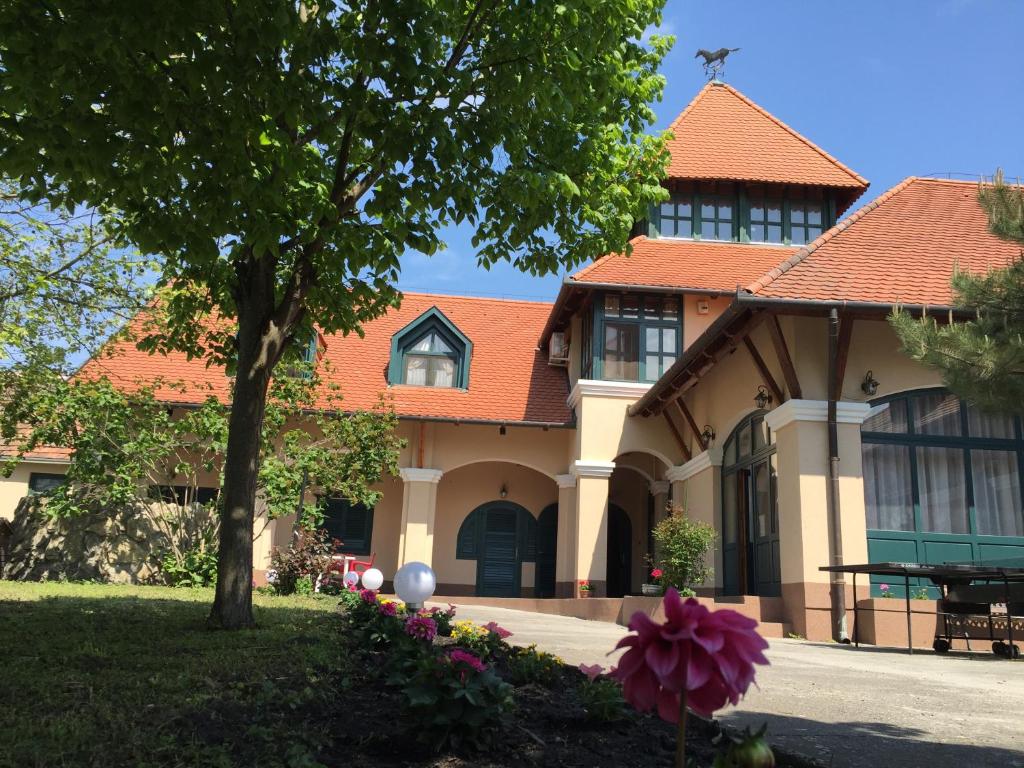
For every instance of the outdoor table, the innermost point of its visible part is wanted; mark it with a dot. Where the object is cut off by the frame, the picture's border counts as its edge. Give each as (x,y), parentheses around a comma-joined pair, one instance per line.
(941,576)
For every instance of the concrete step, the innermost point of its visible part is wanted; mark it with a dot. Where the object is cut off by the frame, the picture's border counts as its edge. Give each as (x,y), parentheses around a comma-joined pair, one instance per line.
(769,609)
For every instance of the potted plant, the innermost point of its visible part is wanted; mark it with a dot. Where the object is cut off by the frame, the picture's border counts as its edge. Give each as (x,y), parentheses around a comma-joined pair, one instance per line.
(682,545)
(655,588)
(585,588)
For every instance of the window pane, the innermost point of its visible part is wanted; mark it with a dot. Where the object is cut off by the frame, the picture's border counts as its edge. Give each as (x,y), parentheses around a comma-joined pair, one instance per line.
(653,367)
(724,230)
(757,211)
(796,214)
(670,309)
(982,424)
(813,233)
(416,370)
(684,228)
(611,306)
(798,236)
(707,210)
(813,214)
(774,234)
(668,210)
(760,430)
(757,233)
(887,417)
(707,230)
(621,353)
(775,213)
(631,306)
(744,446)
(725,211)
(762,498)
(652,339)
(668,339)
(684,209)
(997,504)
(423,345)
(887,491)
(667,361)
(438,345)
(942,489)
(937,414)
(442,372)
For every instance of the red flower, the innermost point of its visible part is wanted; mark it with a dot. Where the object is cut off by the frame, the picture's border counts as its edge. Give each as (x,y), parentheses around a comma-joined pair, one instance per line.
(710,654)
(458,655)
(501,632)
(657,573)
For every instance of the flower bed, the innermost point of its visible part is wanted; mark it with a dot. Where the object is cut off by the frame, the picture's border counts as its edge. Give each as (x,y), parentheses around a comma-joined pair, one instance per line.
(435,690)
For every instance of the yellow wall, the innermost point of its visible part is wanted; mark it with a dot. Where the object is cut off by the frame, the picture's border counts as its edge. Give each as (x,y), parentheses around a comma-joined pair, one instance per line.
(465,489)
(14,488)
(694,324)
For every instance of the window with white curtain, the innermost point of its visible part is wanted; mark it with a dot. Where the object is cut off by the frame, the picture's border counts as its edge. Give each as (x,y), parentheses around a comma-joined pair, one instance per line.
(933,463)
(430,362)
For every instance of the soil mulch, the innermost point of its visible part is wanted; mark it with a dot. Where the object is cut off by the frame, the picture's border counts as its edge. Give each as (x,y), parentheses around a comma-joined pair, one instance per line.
(548,727)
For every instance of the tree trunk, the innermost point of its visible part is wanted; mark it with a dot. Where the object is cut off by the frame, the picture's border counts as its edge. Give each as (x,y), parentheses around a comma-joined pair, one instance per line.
(232,606)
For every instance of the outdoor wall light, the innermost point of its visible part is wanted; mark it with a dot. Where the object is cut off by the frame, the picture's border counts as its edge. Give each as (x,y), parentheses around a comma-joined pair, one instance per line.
(504,491)
(372,578)
(707,435)
(415,584)
(502,430)
(870,385)
(762,399)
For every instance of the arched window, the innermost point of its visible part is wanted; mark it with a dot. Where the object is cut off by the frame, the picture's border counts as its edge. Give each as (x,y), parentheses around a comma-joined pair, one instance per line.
(942,480)
(430,352)
(750,517)
(500,536)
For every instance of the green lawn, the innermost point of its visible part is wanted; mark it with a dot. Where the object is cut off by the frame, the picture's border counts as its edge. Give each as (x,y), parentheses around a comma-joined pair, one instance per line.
(102,675)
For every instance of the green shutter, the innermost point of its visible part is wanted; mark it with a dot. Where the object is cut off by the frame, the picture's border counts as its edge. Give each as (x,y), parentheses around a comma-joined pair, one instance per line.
(467,545)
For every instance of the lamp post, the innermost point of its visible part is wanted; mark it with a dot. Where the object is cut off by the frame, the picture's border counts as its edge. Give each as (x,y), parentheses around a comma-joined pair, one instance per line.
(415,584)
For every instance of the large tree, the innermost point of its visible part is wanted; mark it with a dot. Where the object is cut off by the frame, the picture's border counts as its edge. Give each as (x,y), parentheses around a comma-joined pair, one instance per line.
(280,156)
(981,358)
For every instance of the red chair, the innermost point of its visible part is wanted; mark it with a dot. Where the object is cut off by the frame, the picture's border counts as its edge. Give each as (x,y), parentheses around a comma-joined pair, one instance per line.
(362,566)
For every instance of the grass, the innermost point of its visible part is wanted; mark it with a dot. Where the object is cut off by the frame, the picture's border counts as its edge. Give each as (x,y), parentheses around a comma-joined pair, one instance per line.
(103,675)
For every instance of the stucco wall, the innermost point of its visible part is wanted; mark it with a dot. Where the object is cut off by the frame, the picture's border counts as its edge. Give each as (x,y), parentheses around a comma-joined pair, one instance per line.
(14,488)
(630,491)
(465,489)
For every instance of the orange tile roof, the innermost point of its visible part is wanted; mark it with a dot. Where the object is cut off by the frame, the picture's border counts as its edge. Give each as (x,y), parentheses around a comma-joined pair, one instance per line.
(509,378)
(685,264)
(902,247)
(724,135)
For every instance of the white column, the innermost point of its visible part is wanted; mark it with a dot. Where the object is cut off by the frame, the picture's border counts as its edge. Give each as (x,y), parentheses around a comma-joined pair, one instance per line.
(565,557)
(592,522)
(419,504)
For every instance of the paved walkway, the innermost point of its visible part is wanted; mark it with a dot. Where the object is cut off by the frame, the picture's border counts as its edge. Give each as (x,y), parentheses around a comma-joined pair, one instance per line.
(846,707)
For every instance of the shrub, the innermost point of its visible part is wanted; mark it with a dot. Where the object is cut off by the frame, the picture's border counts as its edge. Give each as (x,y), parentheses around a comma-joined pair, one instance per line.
(483,640)
(681,545)
(307,556)
(528,665)
(602,700)
(443,617)
(454,700)
(195,567)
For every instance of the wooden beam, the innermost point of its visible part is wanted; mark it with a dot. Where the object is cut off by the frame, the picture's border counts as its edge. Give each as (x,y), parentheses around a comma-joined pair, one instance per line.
(788,369)
(683,448)
(689,420)
(763,368)
(843,352)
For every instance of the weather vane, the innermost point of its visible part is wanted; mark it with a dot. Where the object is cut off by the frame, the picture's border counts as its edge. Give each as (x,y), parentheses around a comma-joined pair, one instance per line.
(714,61)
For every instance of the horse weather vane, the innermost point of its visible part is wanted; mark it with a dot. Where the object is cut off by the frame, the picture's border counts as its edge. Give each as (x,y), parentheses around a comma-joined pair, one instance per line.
(714,61)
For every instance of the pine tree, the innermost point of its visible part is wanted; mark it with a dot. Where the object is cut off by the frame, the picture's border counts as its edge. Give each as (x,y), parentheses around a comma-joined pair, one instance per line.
(981,359)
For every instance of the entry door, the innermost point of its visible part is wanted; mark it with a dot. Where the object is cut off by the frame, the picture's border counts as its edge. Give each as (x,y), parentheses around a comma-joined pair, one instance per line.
(547,546)
(734,533)
(620,549)
(765,574)
(499,564)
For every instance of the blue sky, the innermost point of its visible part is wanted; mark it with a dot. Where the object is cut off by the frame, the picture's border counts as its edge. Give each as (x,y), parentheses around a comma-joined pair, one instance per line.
(893,89)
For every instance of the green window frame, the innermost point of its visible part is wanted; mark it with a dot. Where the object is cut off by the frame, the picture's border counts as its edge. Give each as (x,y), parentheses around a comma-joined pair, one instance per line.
(943,482)
(766,220)
(432,340)
(350,523)
(806,219)
(587,343)
(637,337)
(676,217)
(718,219)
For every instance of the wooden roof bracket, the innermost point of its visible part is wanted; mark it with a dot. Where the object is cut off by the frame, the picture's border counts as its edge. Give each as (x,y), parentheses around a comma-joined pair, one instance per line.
(689,420)
(782,351)
(683,447)
(762,367)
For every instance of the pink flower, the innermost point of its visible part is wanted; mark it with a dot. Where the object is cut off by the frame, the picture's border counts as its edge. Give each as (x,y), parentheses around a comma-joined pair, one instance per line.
(457,655)
(368,595)
(388,609)
(421,627)
(709,654)
(492,626)
(592,671)
(884,587)
(657,573)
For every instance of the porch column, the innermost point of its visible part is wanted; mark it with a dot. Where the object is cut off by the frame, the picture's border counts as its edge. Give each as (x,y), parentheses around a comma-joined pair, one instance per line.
(419,502)
(805,521)
(697,489)
(565,555)
(592,523)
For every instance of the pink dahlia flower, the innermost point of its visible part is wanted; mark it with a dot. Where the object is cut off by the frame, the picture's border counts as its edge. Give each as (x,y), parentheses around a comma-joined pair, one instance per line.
(592,671)
(460,656)
(492,626)
(421,627)
(709,654)
(388,609)
(368,595)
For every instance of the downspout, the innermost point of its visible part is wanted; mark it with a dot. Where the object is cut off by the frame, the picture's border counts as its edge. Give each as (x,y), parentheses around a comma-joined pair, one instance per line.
(838,587)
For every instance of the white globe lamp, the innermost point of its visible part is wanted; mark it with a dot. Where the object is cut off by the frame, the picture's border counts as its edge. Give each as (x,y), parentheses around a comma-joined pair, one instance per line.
(351,578)
(415,584)
(372,579)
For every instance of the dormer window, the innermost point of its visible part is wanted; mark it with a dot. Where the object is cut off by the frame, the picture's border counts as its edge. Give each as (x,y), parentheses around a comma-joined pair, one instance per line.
(430,352)
(806,220)
(717,217)
(766,221)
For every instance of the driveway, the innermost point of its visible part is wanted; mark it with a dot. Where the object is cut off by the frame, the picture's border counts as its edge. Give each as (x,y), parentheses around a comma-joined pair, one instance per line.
(845,707)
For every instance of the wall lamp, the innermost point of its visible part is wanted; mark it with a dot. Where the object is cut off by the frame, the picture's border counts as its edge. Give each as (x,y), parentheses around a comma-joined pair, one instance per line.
(870,385)
(707,435)
(504,491)
(762,399)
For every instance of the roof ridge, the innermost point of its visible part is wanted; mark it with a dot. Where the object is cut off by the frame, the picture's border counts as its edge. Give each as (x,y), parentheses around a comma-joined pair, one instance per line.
(835,161)
(693,102)
(434,295)
(611,254)
(776,272)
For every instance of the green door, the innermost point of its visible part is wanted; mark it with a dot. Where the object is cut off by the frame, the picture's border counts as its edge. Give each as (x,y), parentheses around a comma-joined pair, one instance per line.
(547,544)
(500,563)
